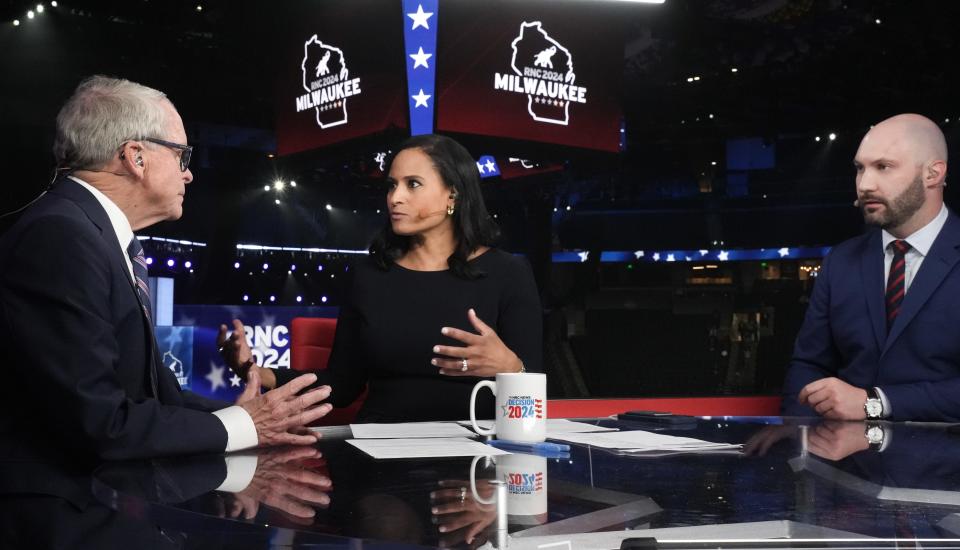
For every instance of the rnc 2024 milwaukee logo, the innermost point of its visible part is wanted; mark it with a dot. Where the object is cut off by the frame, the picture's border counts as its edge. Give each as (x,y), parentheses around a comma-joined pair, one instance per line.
(327,82)
(543,70)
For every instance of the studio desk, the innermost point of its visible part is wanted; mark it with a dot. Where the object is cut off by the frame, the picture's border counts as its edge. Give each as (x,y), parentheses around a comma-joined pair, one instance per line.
(797,483)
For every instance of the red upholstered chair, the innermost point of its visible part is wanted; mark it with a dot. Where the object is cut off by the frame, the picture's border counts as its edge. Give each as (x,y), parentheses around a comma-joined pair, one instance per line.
(311,340)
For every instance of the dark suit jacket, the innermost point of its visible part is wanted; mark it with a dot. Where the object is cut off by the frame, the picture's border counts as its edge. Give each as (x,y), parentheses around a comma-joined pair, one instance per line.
(82,381)
(917,365)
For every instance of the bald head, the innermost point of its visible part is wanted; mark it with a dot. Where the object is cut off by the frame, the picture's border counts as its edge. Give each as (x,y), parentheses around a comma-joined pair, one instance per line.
(910,133)
(901,170)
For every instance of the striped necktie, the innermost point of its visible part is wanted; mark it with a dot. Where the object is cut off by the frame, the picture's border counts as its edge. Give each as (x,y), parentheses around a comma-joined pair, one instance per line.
(896,280)
(140,274)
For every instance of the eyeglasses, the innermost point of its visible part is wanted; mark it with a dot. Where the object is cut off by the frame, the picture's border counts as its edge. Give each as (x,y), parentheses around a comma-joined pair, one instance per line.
(185,151)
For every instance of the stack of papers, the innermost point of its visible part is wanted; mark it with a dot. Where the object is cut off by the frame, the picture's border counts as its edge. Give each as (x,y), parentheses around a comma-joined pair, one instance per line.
(431,447)
(639,441)
(409,429)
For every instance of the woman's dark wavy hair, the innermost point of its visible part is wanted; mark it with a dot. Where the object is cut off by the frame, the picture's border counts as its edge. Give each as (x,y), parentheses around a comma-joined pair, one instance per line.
(472,225)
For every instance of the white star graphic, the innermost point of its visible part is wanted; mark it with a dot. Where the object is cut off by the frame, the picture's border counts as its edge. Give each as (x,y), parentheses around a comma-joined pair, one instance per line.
(421,99)
(480,167)
(638,254)
(420,18)
(723,255)
(703,252)
(656,256)
(490,165)
(670,258)
(215,377)
(784,251)
(420,58)
(583,255)
(235,381)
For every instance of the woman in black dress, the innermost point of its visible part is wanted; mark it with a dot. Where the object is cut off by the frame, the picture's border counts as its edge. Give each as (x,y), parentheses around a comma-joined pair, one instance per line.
(433,308)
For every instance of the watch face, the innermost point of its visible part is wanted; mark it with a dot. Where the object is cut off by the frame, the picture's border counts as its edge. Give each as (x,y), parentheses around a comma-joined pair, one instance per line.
(875,435)
(874,408)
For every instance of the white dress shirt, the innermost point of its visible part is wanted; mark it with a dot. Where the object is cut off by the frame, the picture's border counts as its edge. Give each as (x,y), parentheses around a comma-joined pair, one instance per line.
(241,432)
(920,242)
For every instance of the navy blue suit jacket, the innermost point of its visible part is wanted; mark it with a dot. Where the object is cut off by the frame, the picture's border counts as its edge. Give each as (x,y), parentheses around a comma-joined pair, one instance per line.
(917,365)
(82,381)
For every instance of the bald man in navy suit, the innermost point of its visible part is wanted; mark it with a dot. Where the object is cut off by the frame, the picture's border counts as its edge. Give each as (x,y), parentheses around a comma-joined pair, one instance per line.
(880,337)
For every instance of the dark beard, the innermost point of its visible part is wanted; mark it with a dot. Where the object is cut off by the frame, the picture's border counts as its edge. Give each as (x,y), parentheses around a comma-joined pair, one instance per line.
(900,209)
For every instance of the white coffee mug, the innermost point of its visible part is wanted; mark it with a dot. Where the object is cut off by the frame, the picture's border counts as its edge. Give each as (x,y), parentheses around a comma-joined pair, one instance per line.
(526,479)
(521,411)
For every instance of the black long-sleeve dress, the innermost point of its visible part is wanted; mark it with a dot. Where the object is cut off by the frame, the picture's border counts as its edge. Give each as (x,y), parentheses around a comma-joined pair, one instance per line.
(391,319)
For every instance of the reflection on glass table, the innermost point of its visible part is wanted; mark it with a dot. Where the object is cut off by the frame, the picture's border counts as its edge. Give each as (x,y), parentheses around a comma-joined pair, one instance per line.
(827,482)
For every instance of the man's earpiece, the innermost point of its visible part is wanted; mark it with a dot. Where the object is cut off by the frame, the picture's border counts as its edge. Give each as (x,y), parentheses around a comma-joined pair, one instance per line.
(139,161)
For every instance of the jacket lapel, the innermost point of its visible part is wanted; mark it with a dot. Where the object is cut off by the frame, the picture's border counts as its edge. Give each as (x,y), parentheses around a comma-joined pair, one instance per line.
(871,275)
(939,262)
(75,192)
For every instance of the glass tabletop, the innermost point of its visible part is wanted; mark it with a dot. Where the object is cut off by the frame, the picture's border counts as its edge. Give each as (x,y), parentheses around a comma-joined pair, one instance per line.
(846,484)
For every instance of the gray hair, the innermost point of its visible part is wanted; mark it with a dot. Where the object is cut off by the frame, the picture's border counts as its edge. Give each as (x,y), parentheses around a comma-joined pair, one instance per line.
(101,115)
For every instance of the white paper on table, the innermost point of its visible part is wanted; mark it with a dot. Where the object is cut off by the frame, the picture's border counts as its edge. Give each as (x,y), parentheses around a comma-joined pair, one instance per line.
(430,447)
(409,429)
(639,440)
(554,426)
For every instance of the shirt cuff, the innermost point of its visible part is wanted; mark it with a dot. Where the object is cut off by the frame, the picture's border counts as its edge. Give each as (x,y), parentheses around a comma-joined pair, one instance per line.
(240,471)
(241,432)
(887,409)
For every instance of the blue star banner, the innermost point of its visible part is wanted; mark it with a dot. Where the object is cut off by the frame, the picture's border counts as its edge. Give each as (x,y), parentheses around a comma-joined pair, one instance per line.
(420,49)
(487,165)
(703,255)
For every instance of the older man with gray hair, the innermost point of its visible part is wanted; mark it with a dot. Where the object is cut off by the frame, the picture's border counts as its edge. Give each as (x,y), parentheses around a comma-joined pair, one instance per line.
(85,381)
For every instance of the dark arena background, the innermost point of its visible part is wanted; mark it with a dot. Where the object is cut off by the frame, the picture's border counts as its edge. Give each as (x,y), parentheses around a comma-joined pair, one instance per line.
(673,172)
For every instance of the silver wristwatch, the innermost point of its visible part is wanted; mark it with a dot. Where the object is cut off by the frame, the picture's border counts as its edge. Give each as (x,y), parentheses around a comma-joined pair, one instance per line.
(874,434)
(874,406)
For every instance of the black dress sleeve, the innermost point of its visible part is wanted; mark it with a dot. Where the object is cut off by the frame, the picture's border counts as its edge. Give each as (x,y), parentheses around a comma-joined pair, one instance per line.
(347,370)
(521,316)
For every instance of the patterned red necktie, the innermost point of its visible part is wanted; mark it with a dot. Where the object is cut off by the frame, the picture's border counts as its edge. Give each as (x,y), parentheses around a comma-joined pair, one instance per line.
(895,280)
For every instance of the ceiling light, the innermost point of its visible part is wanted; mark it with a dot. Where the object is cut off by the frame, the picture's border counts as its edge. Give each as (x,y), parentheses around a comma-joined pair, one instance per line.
(329,207)
(276,201)
(816,138)
(30,14)
(16,22)
(733,70)
(54,3)
(293,183)
(832,136)
(39,8)
(877,21)
(266,187)
(278,185)
(199,7)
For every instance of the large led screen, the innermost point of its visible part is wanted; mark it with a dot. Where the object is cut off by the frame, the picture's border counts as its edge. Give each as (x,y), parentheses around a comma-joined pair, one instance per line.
(340,72)
(541,71)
